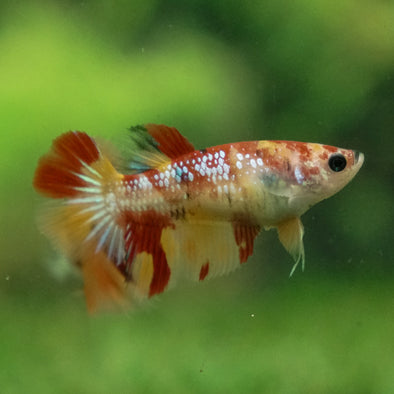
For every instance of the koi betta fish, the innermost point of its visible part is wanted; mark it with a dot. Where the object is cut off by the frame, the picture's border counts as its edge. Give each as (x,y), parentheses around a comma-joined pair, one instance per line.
(177,212)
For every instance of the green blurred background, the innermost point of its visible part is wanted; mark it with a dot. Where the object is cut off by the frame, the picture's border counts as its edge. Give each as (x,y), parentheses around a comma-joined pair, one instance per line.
(219,71)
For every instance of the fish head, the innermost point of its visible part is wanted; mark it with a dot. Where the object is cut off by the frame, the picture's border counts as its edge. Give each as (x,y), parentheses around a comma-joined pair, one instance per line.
(307,173)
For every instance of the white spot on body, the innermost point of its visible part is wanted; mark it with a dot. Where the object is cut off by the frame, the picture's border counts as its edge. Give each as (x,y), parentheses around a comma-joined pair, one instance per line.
(239,165)
(299,175)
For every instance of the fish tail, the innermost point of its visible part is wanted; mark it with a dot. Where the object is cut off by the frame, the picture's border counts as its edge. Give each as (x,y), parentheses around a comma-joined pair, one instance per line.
(84,226)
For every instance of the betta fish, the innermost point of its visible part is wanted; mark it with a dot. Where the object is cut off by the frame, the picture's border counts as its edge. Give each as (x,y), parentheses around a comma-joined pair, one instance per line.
(171,212)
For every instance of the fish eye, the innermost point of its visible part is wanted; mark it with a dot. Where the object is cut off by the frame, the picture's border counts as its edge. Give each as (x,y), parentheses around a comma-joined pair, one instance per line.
(337,162)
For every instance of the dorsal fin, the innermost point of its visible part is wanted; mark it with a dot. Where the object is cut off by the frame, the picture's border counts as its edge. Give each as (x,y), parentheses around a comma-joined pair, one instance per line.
(170,141)
(154,146)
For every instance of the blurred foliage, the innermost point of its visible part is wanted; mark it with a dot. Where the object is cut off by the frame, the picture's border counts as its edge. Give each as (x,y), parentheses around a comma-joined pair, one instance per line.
(219,71)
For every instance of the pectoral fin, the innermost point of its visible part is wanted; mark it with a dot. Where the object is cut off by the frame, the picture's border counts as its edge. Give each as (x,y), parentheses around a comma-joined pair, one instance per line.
(290,234)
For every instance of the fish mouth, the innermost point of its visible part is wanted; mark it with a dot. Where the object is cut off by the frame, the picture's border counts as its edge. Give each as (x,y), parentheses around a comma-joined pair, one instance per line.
(358,158)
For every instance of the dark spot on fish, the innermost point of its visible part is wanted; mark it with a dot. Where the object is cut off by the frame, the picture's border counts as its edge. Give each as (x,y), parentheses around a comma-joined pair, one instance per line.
(203,151)
(259,153)
(78,263)
(287,165)
(178,213)
(269,179)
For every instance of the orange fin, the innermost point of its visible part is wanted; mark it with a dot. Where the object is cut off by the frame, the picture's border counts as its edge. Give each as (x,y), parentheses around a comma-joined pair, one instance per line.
(58,173)
(104,285)
(290,234)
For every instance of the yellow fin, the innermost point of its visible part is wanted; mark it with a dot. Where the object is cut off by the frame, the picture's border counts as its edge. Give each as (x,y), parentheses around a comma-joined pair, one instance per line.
(290,234)
(205,249)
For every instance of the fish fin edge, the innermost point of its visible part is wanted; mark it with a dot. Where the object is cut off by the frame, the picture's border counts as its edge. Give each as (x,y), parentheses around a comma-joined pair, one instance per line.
(290,234)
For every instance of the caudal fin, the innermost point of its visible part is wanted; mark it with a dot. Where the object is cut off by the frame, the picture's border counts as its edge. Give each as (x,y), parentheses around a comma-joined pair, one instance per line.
(84,226)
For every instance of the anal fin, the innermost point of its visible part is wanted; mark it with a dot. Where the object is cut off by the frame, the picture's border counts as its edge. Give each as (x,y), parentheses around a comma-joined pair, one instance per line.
(202,249)
(244,237)
(104,285)
(290,234)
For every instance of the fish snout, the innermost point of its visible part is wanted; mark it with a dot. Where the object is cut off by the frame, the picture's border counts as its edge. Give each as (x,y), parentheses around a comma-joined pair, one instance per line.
(358,157)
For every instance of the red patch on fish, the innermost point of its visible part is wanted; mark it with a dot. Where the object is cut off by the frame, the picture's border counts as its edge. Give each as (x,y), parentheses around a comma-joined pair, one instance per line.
(330,148)
(204,271)
(244,237)
(143,234)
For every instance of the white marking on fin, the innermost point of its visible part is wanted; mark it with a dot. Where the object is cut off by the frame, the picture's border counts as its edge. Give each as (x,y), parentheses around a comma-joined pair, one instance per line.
(97,216)
(112,242)
(93,190)
(95,207)
(120,256)
(90,169)
(86,200)
(104,236)
(87,179)
(98,227)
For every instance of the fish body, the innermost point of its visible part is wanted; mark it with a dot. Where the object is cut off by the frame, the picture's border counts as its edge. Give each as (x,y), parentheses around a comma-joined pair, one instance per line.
(176,212)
